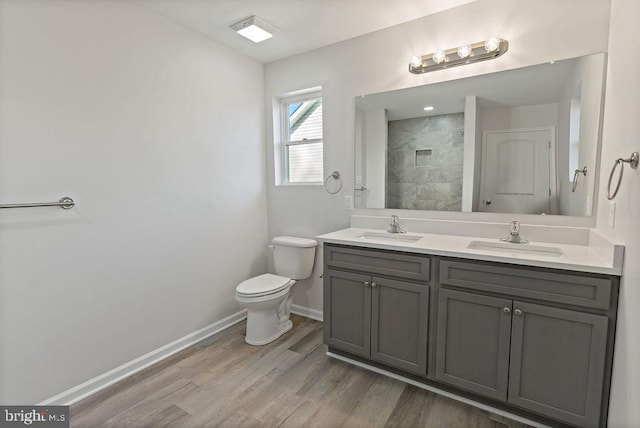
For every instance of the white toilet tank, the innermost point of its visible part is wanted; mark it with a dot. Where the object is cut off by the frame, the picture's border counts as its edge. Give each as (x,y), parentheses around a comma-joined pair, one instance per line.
(293,257)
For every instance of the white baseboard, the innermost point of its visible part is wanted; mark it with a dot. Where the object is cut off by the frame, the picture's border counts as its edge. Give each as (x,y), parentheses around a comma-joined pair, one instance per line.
(439,391)
(314,314)
(104,380)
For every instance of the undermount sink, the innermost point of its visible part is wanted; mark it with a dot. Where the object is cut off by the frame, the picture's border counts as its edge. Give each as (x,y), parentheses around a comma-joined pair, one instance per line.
(389,237)
(523,249)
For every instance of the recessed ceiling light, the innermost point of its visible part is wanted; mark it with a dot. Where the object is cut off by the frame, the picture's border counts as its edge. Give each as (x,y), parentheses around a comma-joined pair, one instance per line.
(255,29)
(428,108)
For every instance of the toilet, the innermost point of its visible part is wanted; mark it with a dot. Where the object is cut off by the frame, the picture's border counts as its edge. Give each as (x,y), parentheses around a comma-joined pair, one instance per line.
(268,297)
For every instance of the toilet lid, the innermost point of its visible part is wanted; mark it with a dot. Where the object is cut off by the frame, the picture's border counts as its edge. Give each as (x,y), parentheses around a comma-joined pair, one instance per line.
(262,285)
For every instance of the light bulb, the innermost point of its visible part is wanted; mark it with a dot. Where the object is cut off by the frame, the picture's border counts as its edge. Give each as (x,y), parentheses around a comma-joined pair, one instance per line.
(439,57)
(415,62)
(492,45)
(464,50)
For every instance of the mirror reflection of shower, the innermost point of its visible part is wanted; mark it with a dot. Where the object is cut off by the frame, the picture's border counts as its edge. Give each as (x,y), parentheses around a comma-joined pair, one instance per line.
(424,163)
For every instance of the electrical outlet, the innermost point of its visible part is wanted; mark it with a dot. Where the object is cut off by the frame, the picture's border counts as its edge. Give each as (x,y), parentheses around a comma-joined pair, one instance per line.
(612,214)
(348,203)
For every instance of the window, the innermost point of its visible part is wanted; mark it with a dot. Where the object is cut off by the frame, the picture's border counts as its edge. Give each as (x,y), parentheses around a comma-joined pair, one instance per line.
(302,138)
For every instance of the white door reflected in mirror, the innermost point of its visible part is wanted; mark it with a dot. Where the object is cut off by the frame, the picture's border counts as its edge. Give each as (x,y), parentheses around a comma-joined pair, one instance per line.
(517,168)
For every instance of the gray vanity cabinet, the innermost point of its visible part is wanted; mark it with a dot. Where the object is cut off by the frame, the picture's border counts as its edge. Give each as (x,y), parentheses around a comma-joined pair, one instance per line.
(381,318)
(549,359)
(472,345)
(535,341)
(399,324)
(347,311)
(544,359)
(557,362)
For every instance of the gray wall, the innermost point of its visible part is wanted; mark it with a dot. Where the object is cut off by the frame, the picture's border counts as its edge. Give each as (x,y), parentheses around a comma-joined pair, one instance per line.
(432,181)
(147,126)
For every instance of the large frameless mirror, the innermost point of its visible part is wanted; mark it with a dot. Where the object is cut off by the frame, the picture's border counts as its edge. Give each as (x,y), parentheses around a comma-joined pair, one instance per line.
(506,142)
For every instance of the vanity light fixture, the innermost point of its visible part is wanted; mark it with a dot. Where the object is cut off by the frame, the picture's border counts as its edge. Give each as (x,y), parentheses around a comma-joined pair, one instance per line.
(464,54)
(464,51)
(438,57)
(255,29)
(415,61)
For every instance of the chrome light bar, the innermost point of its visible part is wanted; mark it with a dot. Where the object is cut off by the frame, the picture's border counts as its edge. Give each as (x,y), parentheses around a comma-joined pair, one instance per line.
(465,54)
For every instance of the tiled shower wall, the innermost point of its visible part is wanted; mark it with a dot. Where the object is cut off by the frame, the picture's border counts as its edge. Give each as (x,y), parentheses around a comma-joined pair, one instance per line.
(424,163)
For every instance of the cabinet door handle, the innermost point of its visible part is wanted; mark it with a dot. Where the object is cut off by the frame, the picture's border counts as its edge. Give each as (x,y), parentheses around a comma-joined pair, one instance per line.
(374,285)
(366,283)
(506,310)
(518,312)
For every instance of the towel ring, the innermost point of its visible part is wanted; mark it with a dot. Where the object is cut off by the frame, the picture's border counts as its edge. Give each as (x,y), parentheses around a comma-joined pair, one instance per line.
(633,163)
(576,175)
(336,176)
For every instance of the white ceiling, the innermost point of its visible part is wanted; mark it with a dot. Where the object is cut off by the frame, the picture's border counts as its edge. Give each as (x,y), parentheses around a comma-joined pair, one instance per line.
(304,24)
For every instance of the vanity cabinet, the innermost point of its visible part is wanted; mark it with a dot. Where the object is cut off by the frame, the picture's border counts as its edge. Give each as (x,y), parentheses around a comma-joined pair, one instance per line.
(541,358)
(530,340)
(347,311)
(373,316)
(545,357)
(557,362)
(472,345)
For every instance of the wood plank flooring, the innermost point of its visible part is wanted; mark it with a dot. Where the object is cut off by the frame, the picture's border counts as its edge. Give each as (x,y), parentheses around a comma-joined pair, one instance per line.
(223,382)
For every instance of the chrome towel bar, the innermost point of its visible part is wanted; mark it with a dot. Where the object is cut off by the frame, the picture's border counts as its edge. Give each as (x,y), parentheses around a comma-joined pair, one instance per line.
(65,203)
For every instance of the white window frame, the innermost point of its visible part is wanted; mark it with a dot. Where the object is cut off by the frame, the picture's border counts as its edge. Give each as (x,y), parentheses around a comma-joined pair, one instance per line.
(284,134)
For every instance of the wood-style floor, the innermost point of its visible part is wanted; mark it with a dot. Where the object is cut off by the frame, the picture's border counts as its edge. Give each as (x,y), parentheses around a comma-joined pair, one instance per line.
(223,382)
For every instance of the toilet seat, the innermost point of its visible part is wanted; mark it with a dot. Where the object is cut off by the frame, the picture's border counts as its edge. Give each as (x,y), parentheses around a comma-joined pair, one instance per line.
(262,285)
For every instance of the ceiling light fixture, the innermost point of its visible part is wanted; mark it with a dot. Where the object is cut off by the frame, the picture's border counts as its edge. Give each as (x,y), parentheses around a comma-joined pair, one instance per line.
(255,29)
(464,54)
(428,108)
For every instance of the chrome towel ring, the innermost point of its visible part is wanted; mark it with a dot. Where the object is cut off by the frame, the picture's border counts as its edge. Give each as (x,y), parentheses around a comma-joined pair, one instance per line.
(336,176)
(633,163)
(576,175)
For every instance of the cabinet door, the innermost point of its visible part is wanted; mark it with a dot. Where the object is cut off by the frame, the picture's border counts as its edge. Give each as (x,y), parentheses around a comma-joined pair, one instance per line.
(472,344)
(399,326)
(557,362)
(347,311)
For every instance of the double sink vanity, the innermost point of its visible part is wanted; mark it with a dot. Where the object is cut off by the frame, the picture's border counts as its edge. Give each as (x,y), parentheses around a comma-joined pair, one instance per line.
(524,328)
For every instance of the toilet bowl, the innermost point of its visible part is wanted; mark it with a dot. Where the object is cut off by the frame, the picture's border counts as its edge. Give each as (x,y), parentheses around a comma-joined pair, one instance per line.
(268,301)
(268,297)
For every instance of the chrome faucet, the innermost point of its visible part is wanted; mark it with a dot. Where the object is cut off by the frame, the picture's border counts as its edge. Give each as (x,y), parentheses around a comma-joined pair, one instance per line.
(394,226)
(514,234)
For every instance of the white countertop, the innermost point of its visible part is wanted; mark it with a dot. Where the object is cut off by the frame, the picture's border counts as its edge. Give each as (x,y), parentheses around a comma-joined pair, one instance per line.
(596,258)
